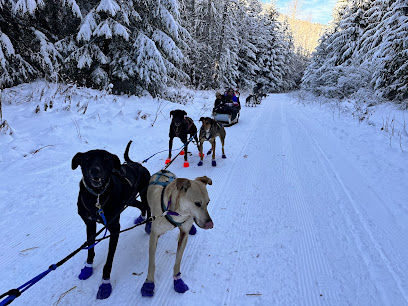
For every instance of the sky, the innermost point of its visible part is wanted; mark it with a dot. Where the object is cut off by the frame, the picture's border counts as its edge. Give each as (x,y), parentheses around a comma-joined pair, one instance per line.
(315,10)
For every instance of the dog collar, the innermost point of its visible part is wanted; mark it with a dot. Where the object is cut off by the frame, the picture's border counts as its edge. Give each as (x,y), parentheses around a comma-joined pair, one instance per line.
(93,192)
(169,213)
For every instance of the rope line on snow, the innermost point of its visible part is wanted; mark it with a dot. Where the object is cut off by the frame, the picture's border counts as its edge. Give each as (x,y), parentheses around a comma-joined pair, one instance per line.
(188,141)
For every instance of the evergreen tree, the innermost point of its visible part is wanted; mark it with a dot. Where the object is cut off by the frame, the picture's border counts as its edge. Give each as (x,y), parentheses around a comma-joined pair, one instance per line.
(249,33)
(390,79)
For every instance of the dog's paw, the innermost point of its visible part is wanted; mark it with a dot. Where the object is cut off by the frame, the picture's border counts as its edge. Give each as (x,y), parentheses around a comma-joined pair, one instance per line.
(186,164)
(86,273)
(148,227)
(147,289)
(105,290)
(214,163)
(209,152)
(193,230)
(167,161)
(200,163)
(179,285)
(224,156)
(139,220)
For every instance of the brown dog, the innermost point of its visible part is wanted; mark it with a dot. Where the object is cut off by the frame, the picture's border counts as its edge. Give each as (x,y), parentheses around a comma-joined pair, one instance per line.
(182,202)
(209,130)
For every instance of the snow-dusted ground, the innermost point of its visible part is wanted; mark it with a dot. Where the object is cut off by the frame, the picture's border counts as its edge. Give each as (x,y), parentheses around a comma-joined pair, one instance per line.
(309,207)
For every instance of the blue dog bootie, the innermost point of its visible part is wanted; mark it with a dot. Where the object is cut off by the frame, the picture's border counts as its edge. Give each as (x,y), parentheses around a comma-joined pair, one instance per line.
(214,163)
(200,163)
(147,289)
(193,230)
(86,272)
(224,156)
(139,220)
(105,290)
(179,285)
(148,227)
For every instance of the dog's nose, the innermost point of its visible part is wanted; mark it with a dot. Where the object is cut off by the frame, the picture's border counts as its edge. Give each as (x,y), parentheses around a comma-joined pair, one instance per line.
(96,171)
(209,225)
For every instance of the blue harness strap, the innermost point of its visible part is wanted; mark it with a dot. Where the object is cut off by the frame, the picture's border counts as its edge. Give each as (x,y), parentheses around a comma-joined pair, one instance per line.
(166,173)
(171,177)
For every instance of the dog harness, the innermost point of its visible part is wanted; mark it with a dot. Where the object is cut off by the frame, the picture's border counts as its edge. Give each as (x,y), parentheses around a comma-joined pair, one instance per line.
(178,129)
(208,135)
(168,213)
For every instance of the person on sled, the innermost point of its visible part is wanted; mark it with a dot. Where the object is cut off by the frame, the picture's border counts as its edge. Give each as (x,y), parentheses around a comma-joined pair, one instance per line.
(228,103)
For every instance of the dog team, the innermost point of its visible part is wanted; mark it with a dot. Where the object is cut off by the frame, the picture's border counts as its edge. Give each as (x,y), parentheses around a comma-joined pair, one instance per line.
(107,187)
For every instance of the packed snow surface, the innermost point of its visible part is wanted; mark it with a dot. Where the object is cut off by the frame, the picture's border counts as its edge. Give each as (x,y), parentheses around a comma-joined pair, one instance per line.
(309,208)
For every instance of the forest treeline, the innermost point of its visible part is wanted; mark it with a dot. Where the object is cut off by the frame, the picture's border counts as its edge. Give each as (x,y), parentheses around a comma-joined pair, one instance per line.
(147,45)
(152,45)
(363,53)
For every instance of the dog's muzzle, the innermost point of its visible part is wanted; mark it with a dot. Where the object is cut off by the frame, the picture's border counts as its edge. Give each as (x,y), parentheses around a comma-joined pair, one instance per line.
(206,225)
(209,225)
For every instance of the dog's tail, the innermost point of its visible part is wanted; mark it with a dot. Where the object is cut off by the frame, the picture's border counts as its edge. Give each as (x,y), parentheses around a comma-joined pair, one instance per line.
(127,159)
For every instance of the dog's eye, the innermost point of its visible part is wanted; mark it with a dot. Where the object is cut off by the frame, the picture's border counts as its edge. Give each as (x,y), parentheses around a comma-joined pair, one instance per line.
(198,204)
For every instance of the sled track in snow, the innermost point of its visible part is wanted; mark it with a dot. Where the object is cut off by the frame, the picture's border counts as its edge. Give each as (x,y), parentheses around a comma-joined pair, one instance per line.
(385,274)
(312,266)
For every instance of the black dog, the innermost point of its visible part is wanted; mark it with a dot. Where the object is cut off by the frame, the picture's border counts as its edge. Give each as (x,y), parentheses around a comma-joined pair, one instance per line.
(108,185)
(181,126)
(251,100)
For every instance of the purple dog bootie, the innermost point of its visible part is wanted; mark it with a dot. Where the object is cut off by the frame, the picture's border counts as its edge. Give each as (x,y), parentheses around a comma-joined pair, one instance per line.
(147,289)
(179,285)
(224,156)
(214,163)
(148,227)
(86,272)
(139,220)
(105,290)
(193,230)
(200,163)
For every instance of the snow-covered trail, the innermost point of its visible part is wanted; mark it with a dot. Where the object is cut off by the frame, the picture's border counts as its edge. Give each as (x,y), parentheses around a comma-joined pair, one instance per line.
(297,221)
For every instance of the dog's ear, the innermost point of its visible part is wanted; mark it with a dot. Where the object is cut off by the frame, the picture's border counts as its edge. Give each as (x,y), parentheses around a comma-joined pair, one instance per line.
(76,160)
(184,113)
(204,179)
(202,119)
(116,162)
(183,184)
(172,113)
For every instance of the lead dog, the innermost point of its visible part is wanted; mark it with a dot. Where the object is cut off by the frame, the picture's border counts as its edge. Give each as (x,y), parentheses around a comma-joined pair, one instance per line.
(209,131)
(184,202)
(104,190)
(181,126)
(251,100)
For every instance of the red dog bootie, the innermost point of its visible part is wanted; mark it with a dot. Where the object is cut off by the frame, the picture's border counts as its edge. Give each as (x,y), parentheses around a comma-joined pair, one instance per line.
(182,152)
(167,161)
(186,164)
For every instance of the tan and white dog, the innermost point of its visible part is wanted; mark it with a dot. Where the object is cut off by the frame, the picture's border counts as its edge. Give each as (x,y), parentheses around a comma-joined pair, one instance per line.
(209,131)
(183,202)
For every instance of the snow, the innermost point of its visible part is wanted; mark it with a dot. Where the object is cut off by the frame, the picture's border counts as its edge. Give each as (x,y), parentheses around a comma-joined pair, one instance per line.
(309,208)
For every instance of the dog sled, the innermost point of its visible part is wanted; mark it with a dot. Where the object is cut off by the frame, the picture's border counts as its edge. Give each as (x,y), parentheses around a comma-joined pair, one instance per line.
(227,107)
(227,115)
